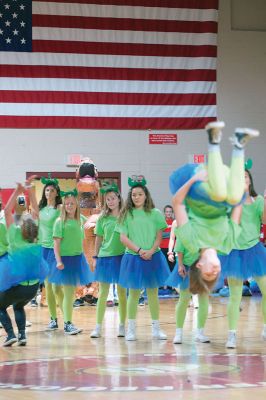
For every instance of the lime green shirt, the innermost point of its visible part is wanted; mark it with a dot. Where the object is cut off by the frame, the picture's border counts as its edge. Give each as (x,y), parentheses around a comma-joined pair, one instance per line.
(250,224)
(111,245)
(142,227)
(200,233)
(3,235)
(72,234)
(47,218)
(16,242)
(15,239)
(188,258)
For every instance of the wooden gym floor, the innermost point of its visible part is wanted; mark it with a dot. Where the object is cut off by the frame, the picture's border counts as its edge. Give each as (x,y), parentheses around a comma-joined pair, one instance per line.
(78,367)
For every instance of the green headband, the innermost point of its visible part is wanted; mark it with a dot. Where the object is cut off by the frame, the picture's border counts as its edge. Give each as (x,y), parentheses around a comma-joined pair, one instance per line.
(108,187)
(248,164)
(69,193)
(49,180)
(137,180)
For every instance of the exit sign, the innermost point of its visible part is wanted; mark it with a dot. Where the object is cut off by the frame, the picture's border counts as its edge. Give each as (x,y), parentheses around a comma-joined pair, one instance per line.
(74,160)
(200,158)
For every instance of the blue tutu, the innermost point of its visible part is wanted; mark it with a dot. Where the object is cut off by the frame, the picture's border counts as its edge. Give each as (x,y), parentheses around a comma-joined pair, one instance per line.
(136,273)
(108,269)
(25,264)
(49,257)
(244,264)
(76,272)
(197,198)
(176,280)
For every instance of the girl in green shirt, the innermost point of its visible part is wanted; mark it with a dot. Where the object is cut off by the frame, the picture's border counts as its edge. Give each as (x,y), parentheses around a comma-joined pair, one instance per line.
(24,269)
(49,211)
(203,197)
(107,259)
(70,268)
(248,259)
(143,265)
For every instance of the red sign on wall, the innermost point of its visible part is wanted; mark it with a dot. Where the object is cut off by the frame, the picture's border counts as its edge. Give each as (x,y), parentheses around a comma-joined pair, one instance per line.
(162,138)
(199,158)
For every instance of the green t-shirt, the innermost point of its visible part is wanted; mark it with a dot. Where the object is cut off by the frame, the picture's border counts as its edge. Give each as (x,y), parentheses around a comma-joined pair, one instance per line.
(188,258)
(47,217)
(15,239)
(250,224)
(111,245)
(200,233)
(72,234)
(141,227)
(3,235)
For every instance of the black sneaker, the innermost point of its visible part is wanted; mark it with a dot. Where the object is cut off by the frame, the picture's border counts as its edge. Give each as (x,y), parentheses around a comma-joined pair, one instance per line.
(33,303)
(242,136)
(78,303)
(93,301)
(71,329)
(141,301)
(22,340)
(214,130)
(10,339)
(52,325)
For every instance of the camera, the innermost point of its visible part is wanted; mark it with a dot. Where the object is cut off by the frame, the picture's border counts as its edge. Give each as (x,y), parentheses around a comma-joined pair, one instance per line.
(21,201)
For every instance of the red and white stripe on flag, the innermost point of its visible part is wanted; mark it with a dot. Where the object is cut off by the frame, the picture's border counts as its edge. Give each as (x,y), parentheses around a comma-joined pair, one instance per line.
(114,64)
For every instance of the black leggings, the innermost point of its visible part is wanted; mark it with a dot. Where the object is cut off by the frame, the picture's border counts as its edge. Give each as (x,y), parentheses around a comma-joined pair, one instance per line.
(18,297)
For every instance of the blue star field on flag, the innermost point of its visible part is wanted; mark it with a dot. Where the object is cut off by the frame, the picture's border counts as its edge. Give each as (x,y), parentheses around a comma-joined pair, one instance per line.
(16,25)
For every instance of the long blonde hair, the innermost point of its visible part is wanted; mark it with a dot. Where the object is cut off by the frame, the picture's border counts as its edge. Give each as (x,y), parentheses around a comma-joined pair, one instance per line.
(63,215)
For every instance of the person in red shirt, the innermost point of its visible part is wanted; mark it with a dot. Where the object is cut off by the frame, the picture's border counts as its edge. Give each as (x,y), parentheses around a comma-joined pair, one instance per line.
(168,213)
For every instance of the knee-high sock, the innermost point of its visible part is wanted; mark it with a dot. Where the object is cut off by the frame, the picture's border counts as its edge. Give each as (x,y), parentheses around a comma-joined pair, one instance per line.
(216,185)
(68,302)
(51,302)
(224,183)
(122,305)
(132,303)
(181,307)
(101,303)
(262,285)
(153,302)
(59,295)
(235,288)
(236,181)
(202,310)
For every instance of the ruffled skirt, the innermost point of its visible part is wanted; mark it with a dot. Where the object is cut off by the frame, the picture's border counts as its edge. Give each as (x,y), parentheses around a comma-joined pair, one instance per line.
(244,264)
(25,264)
(197,198)
(176,280)
(49,257)
(76,272)
(108,269)
(136,273)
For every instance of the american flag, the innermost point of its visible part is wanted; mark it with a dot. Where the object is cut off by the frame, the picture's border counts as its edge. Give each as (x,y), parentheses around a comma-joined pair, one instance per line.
(108,64)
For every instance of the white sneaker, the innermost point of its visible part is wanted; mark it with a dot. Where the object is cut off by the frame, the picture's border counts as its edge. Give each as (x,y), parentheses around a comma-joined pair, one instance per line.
(242,136)
(157,333)
(121,331)
(178,336)
(231,341)
(96,333)
(200,337)
(195,301)
(131,330)
(160,335)
(28,323)
(214,130)
(264,333)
